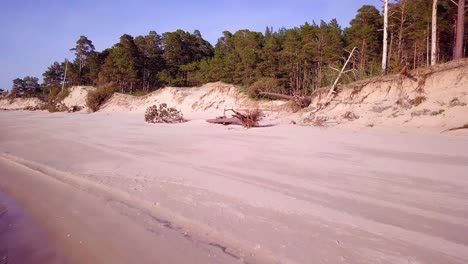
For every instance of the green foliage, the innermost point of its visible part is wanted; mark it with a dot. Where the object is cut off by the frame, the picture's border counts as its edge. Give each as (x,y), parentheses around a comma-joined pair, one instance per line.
(99,96)
(80,71)
(365,34)
(53,76)
(123,65)
(26,87)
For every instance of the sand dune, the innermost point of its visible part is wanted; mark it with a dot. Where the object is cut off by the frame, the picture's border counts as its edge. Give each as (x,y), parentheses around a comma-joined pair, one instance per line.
(432,99)
(284,194)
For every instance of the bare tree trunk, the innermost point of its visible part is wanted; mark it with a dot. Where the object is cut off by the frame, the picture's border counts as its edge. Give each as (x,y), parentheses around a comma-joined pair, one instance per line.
(458,50)
(434,34)
(363,57)
(332,89)
(428,46)
(400,33)
(390,50)
(385,38)
(65,75)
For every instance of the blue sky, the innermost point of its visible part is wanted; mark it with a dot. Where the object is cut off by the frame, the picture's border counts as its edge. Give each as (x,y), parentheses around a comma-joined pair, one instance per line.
(35,33)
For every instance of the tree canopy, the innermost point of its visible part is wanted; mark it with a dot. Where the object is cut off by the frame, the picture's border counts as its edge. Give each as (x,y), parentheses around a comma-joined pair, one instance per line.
(298,60)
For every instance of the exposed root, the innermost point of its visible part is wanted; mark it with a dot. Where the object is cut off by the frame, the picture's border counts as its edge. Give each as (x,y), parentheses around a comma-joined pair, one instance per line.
(247,120)
(465,126)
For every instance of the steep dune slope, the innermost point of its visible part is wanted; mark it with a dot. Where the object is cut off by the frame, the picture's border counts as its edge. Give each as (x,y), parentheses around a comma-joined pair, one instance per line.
(77,96)
(435,97)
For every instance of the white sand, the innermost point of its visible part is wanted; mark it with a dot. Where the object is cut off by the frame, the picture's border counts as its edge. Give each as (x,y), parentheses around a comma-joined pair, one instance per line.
(277,194)
(77,96)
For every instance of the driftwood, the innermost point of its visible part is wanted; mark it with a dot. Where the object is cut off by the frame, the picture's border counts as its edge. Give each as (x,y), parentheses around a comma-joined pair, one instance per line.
(248,119)
(225,121)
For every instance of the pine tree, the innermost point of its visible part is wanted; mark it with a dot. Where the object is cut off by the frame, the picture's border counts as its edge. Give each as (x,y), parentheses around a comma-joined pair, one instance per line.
(152,61)
(83,49)
(53,76)
(365,34)
(123,65)
(26,87)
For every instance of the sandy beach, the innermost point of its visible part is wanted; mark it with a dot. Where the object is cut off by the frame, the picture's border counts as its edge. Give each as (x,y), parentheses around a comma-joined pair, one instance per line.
(109,188)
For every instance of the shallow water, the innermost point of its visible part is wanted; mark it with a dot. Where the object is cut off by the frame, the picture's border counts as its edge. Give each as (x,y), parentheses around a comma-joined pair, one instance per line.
(21,239)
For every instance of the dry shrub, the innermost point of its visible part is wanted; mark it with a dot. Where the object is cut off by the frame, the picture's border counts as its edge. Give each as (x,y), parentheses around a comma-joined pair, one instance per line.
(75,108)
(99,96)
(404,103)
(251,118)
(318,121)
(436,113)
(350,116)
(269,85)
(418,100)
(380,109)
(163,114)
(456,102)
(55,98)
(62,95)
(421,112)
(32,108)
(55,107)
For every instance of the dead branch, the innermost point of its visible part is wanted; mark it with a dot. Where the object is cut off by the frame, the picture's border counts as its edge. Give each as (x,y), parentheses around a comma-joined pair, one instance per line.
(332,89)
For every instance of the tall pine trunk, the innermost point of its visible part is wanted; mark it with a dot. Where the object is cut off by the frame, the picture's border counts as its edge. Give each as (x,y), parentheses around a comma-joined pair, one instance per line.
(434,34)
(458,50)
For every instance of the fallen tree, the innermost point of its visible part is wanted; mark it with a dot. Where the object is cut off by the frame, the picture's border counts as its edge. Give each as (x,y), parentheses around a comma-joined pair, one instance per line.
(298,102)
(248,119)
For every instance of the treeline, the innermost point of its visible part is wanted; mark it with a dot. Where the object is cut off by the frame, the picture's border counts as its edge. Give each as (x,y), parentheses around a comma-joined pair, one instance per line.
(296,60)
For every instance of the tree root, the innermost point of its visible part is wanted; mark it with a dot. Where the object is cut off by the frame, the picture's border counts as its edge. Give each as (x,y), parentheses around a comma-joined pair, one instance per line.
(465,126)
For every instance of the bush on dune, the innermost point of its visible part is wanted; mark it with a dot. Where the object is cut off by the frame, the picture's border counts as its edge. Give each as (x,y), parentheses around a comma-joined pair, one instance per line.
(55,98)
(99,96)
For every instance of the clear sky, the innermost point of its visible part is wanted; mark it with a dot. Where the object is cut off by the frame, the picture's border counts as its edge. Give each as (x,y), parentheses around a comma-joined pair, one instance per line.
(35,33)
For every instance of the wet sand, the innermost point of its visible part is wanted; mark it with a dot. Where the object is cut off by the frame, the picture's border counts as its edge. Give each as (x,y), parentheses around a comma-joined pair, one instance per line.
(86,228)
(23,240)
(198,193)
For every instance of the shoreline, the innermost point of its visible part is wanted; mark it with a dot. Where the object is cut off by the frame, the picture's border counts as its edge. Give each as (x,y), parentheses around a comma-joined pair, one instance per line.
(91,229)
(23,240)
